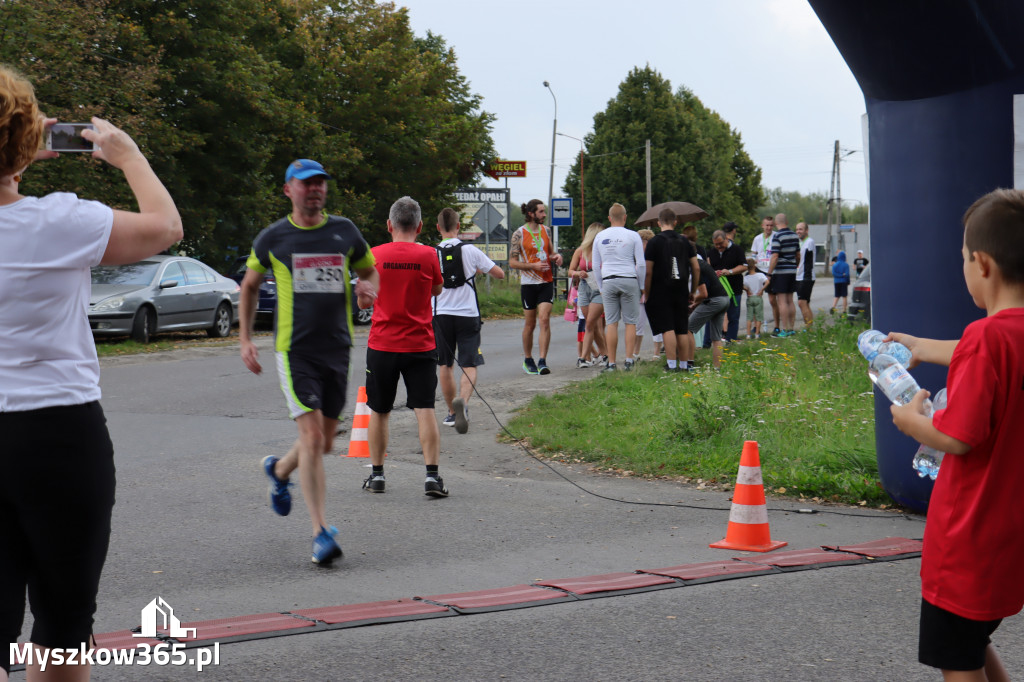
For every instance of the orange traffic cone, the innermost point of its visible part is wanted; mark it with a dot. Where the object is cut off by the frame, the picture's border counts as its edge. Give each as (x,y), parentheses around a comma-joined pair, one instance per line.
(358,443)
(748,519)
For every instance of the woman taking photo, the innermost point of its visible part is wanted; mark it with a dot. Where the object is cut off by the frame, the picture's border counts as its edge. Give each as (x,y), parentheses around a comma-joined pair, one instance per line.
(56,455)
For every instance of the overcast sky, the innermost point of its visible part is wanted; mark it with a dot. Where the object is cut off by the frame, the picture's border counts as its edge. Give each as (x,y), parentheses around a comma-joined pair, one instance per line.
(768,67)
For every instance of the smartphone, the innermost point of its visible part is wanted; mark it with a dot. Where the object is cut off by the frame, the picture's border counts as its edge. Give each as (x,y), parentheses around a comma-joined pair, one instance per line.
(67,137)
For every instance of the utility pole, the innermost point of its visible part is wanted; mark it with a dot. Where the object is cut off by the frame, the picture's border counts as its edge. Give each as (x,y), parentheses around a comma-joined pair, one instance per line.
(648,147)
(839,204)
(551,176)
(832,203)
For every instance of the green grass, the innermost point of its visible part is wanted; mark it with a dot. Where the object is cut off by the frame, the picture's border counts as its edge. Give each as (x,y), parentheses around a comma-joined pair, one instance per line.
(806,400)
(122,345)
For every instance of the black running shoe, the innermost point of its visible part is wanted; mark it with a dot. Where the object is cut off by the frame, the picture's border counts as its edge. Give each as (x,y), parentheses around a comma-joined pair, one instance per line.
(374,484)
(434,486)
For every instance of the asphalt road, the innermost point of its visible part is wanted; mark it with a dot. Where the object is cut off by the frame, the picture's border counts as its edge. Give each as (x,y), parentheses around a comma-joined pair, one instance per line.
(192,525)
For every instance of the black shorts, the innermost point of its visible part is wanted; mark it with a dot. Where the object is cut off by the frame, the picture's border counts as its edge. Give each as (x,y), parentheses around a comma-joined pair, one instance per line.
(768,289)
(783,283)
(842,288)
(314,381)
(383,368)
(458,335)
(668,311)
(803,289)
(951,642)
(55,509)
(535,294)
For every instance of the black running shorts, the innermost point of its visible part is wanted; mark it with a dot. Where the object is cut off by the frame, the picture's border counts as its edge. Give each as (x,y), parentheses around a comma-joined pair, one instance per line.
(951,642)
(383,369)
(458,335)
(535,294)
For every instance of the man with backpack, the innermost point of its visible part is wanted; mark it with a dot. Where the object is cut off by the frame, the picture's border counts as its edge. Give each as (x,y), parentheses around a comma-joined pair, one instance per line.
(671,259)
(457,316)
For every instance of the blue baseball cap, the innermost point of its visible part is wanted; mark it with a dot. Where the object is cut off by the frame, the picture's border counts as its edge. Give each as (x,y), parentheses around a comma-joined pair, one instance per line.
(304,168)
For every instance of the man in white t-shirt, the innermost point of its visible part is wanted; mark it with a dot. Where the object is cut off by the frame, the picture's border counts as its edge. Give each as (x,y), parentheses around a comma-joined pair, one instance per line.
(457,317)
(761,249)
(620,271)
(805,274)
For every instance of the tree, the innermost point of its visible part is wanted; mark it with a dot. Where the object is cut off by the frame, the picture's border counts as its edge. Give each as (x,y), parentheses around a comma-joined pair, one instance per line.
(223,66)
(695,156)
(809,208)
(221,96)
(398,118)
(97,65)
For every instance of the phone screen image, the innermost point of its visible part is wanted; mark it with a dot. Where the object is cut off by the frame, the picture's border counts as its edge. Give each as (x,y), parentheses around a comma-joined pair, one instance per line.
(67,137)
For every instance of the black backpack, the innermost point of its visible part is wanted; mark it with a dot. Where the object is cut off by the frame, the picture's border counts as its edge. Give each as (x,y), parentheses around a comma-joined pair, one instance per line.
(452,271)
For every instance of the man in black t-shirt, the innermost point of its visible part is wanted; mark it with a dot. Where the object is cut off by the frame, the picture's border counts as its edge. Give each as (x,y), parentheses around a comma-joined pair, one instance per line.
(860,262)
(310,253)
(729,261)
(670,259)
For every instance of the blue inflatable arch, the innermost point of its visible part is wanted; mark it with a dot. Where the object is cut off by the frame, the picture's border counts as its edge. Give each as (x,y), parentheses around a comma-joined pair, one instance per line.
(939,79)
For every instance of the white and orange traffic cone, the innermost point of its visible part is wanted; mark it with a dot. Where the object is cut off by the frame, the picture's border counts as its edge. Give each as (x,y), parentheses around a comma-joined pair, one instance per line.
(748,519)
(358,442)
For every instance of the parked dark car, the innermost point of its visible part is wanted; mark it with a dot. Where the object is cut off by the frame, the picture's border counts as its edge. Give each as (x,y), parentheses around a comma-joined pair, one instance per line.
(161,294)
(860,297)
(268,294)
(268,289)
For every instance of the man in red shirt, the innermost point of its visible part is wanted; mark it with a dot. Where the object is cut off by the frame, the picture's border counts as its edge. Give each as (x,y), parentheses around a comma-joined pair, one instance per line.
(970,566)
(401,342)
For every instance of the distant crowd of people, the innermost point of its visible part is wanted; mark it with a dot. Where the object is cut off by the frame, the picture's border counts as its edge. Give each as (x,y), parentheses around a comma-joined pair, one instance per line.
(670,285)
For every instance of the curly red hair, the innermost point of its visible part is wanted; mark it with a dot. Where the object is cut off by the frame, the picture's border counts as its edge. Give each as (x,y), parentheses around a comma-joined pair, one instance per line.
(21,123)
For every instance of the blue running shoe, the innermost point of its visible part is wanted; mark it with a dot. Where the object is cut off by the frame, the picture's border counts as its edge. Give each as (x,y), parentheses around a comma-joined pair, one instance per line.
(325,547)
(280,496)
(542,367)
(529,366)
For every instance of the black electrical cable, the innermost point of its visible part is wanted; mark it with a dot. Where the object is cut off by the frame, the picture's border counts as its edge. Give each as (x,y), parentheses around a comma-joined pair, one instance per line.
(521,442)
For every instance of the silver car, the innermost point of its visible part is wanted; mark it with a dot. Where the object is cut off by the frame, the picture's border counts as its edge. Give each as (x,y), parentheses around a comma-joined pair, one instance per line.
(161,294)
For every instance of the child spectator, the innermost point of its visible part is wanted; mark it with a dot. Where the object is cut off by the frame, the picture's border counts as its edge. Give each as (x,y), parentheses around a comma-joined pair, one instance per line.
(754,283)
(970,568)
(841,281)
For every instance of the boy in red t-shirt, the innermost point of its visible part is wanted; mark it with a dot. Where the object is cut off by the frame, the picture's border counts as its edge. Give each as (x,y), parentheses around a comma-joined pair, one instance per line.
(401,343)
(974,538)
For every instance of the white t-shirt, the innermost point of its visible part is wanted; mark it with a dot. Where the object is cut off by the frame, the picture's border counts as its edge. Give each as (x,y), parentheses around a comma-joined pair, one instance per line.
(461,301)
(806,265)
(47,246)
(761,250)
(754,282)
(619,252)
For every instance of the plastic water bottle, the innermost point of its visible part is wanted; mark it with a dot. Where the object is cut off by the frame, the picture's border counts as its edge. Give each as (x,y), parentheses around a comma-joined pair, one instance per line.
(872,342)
(894,379)
(927,460)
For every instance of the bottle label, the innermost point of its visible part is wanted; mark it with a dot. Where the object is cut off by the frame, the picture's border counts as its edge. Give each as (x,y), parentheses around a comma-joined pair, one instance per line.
(894,381)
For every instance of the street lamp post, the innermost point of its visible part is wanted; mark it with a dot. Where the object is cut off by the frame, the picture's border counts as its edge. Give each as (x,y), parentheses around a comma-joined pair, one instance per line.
(551,177)
(583,205)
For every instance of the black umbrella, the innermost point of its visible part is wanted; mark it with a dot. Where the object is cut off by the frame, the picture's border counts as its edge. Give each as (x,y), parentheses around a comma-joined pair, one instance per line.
(684,210)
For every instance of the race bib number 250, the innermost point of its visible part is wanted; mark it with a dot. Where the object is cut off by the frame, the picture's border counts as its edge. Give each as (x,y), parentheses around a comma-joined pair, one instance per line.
(314,273)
